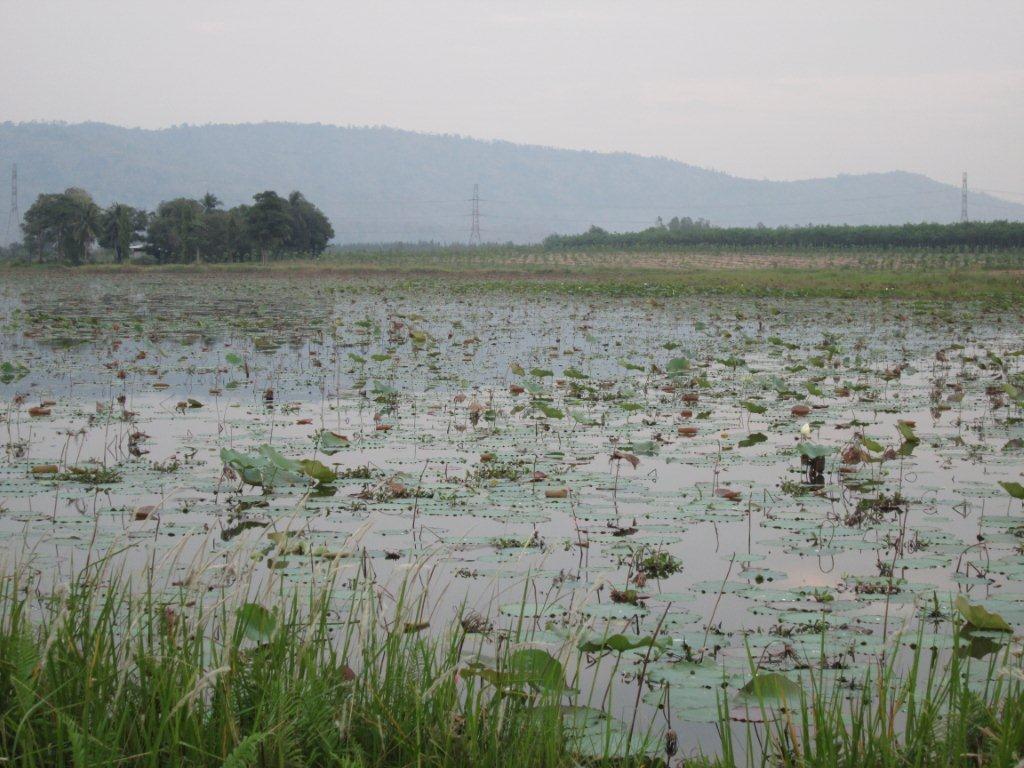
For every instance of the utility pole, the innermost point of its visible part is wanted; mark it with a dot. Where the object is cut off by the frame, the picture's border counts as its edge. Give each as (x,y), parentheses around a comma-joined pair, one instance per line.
(474,230)
(14,217)
(963,200)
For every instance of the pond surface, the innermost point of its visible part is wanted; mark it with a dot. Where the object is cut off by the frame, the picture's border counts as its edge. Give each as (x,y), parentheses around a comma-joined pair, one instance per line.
(739,474)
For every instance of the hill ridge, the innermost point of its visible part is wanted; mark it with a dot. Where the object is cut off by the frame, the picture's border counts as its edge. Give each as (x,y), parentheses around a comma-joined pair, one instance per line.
(380,183)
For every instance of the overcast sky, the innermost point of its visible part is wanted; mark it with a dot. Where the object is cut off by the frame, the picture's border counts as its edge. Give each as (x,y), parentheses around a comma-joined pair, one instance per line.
(779,90)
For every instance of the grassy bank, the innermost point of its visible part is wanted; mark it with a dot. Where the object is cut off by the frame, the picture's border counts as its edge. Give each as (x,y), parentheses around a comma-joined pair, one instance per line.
(101,673)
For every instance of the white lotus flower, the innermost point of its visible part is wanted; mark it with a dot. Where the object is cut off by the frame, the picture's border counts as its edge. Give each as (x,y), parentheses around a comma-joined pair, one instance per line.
(805,430)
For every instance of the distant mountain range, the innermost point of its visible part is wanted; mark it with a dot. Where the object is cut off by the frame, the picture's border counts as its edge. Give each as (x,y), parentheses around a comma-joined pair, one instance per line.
(382,184)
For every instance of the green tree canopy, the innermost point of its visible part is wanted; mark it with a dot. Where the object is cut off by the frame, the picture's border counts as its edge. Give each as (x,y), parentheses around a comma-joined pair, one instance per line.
(311,230)
(66,223)
(175,230)
(120,224)
(270,222)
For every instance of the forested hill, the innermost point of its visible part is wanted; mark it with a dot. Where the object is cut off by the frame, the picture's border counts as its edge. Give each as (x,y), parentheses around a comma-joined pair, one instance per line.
(381,184)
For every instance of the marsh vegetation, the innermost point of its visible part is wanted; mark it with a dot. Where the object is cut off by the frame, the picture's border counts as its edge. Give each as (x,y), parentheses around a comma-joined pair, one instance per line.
(256,518)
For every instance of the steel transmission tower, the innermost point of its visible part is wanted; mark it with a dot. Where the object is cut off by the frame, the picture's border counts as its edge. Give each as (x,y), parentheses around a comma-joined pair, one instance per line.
(14,217)
(963,200)
(474,229)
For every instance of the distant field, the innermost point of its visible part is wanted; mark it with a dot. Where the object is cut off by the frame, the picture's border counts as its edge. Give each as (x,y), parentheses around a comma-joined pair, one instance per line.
(839,274)
(534,259)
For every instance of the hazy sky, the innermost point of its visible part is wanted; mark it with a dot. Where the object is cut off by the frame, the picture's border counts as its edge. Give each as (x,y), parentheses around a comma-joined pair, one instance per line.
(755,88)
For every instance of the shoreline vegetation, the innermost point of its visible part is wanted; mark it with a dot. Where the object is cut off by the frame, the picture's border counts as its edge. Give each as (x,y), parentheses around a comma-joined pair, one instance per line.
(894,275)
(110,670)
(291,235)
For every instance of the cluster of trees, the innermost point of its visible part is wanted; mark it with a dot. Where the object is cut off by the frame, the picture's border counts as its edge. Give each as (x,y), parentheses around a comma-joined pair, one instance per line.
(988,236)
(677,224)
(66,225)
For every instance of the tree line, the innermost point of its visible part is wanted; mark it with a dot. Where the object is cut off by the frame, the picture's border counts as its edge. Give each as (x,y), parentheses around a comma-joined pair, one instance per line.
(975,236)
(67,225)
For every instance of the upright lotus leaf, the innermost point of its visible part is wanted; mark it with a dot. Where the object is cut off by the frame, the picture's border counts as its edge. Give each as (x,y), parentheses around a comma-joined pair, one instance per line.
(549,410)
(813,451)
(980,618)
(318,471)
(258,624)
(643,447)
(280,469)
(275,457)
(907,432)
(485,673)
(245,466)
(1014,489)
(771,688)
(267,468)
(753,407)
(330,442)
(538,669)
(528,666)
(533,387)
(677,366)
(871,445)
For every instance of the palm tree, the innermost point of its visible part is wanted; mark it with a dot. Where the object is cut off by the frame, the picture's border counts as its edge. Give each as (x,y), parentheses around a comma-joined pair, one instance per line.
(81,224)
(118,224)
(210,202)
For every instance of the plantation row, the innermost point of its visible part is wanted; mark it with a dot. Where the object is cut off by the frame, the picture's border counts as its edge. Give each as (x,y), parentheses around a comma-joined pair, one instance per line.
(973,236)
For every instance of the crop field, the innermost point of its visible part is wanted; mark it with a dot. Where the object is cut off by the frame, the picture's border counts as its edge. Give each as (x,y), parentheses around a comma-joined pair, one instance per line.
(995,278)
(513,509)
(624,262)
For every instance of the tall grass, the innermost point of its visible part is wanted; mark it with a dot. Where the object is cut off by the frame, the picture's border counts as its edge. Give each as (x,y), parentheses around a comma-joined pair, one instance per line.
(109,672)
(924,708)
(97,675)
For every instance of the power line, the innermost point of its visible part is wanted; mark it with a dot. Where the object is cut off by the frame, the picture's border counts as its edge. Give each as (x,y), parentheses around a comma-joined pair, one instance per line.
(963,200)
(1015,193)
(474,230)
(14,217)
(656,204)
